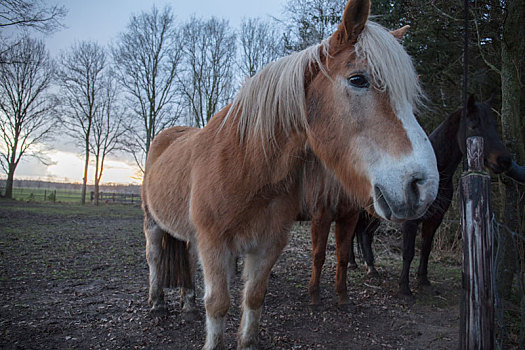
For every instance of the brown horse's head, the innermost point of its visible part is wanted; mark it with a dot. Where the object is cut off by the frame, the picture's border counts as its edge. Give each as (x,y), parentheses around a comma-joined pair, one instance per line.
(478,121)
(361,124)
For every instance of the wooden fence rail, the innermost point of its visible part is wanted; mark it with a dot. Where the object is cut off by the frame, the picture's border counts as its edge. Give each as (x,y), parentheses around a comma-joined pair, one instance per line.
(477,306)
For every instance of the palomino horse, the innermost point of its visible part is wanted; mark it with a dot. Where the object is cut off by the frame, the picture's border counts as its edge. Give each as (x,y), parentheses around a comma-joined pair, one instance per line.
(234,187)
(448,141)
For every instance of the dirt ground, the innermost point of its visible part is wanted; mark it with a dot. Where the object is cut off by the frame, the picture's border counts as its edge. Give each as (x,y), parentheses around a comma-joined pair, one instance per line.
(76,277)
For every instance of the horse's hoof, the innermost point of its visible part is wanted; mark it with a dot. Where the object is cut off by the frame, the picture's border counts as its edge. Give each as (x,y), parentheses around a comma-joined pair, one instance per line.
(372,272)
(344,305)
(423,282)
(315,298)
(159,309)
(315,306)
(342,301)
(404,291)
(247,345)
(191,315)
(220,346)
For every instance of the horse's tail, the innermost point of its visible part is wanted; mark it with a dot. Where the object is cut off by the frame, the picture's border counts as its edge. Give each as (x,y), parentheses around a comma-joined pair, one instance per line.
(175,268)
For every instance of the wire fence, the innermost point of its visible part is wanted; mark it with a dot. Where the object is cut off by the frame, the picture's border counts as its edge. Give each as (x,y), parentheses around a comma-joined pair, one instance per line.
(509,310)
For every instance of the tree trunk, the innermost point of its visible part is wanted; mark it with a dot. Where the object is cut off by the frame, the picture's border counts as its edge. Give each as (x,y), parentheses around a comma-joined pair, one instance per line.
(97,179)
(84,179)
(9,182)
(512,47)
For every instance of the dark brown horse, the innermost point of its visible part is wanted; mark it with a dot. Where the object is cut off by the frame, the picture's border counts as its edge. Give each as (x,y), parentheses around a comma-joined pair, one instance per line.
(448,141)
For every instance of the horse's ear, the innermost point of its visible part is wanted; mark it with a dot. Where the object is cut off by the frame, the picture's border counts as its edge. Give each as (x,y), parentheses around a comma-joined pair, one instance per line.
(354,19)
(399,33)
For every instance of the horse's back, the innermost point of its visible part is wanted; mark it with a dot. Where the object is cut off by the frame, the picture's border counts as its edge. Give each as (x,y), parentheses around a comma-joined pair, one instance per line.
(164,139)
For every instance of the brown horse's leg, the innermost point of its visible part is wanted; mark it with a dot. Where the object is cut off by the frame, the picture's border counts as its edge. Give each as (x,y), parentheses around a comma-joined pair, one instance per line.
(320,229)
(154,236)
(351,261)
(344,234)
(427,232)
(409,229)
(216,266)
(257,266)
(189,308)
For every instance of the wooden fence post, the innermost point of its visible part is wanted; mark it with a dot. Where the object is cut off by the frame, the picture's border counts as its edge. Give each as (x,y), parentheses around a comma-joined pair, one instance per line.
(477,306)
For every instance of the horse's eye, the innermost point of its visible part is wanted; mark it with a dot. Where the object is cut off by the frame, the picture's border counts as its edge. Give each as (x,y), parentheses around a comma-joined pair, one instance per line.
(359,81)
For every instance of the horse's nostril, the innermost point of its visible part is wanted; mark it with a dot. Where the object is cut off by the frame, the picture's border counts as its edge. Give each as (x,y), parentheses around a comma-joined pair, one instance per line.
(413,189)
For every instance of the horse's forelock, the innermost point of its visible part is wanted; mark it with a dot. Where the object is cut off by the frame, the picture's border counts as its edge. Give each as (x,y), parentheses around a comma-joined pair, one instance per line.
(390,65)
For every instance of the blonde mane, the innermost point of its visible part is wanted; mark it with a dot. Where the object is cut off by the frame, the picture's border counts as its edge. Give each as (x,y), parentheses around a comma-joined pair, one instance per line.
(276,96)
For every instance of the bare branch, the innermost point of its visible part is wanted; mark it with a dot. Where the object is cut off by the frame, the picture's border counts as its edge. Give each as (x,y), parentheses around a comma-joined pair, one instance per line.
(25,109)
(147,56)
(33,14)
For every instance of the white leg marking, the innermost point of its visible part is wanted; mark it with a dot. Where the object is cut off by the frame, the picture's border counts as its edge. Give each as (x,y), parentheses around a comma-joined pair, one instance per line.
(249,326)
(214,332)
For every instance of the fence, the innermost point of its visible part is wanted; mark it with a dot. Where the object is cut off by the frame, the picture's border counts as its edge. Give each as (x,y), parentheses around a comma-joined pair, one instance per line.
(71,196)
(114,197)
(477,306)
(493,307)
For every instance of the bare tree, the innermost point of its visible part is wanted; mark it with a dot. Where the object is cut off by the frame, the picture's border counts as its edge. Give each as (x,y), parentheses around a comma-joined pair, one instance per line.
(108,128)
(32,14)
(207,78)
(147,56)
(311,21)
(25,117)
(260,44)
(80,78)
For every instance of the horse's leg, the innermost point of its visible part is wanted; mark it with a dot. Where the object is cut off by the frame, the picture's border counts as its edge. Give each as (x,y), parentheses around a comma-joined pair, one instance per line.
(320,229)
(189,308)
(257,266)
(427,232)
(351,261)
(216,266)
(344,234)
(365,228)
(409,229)
(154,236)
(367,239)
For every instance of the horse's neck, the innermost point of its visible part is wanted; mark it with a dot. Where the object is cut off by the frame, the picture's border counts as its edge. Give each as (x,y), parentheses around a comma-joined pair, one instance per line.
(266,165)
(445,143)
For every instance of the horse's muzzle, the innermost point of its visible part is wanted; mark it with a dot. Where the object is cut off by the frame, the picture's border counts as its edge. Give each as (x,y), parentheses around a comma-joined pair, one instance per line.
(418,194)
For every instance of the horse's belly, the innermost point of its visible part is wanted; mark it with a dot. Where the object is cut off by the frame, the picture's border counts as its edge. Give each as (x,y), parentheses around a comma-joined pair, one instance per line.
(168,196)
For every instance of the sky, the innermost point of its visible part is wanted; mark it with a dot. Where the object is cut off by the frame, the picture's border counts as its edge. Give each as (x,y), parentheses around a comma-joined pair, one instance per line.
(102,21)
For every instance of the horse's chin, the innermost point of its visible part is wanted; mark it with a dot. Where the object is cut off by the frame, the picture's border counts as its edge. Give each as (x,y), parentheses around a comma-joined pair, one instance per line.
(387,210)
